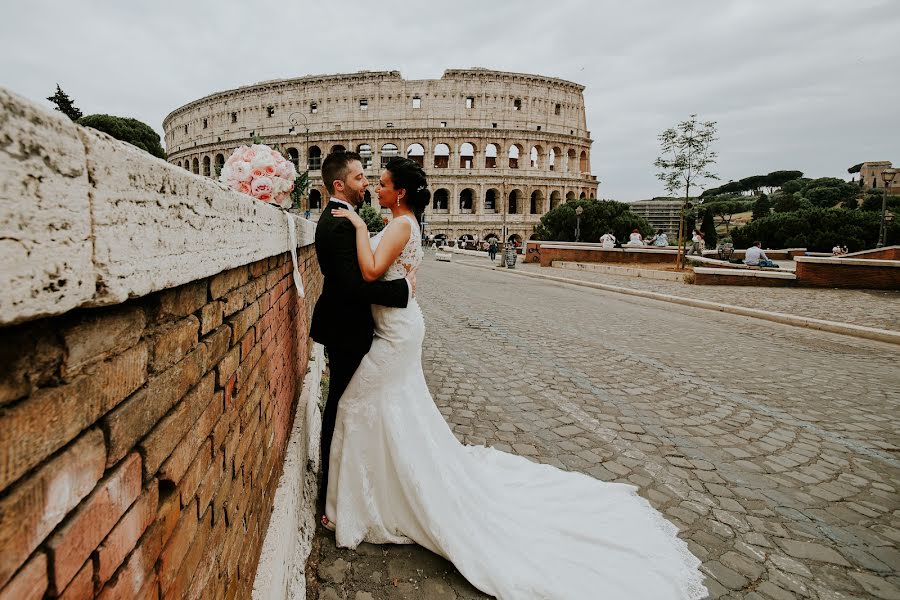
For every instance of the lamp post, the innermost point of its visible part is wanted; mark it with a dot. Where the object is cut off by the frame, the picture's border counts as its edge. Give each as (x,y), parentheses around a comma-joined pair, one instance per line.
(887,176)
(294,120)
(578,213)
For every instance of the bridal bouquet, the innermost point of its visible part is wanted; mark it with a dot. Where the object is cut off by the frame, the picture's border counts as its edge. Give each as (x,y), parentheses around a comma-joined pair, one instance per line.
(261,172)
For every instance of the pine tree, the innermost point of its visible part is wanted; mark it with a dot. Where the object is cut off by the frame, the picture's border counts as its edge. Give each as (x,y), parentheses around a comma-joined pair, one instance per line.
(708,229)
(64,104)
(761,208)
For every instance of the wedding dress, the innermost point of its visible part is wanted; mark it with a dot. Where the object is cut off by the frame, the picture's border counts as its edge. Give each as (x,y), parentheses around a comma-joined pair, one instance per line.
(515,529)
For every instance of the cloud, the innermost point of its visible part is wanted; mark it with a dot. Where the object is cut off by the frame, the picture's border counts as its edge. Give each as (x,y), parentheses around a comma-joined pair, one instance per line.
(805,84)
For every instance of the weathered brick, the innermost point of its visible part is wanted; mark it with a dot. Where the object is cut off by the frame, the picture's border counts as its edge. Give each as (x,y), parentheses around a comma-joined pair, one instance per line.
(130,580)
(36,427)
(221,284)
(248,342)
(183,454)
(94,336)
(228,365)
(82,585)
(243,321)
(177,547)
(191,479)
(170,342)
(210,317)
(163,438)
(210,482)
(217,344)
(31,509)
(239,298)
(187,567)
(132,419)
(150,591)
(31,355)
(168,513)
(83,531)
(30,583)
(125,535)
(183,300)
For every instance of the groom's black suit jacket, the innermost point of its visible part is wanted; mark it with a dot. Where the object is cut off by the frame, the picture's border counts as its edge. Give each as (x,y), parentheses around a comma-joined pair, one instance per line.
(343,317)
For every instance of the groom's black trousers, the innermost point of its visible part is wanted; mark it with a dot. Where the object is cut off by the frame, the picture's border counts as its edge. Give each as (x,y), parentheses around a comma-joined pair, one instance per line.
(342,364)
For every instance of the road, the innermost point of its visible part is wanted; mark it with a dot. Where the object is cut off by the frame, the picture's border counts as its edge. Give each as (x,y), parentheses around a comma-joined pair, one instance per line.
(774,449)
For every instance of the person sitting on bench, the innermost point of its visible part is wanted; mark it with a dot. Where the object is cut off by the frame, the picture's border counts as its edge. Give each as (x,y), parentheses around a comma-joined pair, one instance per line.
(755,257)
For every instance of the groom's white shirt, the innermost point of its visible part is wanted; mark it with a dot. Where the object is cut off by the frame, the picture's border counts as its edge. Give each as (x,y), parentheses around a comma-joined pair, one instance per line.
(347,204)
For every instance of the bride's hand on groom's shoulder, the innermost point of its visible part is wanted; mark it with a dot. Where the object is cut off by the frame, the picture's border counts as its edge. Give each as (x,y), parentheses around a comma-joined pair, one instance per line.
(350,215)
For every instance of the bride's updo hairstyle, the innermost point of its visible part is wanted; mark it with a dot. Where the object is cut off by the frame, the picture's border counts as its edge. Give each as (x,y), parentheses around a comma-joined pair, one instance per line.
(409,175)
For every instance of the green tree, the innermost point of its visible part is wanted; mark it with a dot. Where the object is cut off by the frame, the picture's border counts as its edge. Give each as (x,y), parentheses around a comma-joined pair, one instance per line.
(64,104)
(726,207)
(794,185)
(826,192)
(776,179)
(708,229)
(762,207)
(686,161)
(599,216)
(816,229)
(873,199)
(790,203)
(301,185)
(372,217)
(753,183)
(128,130)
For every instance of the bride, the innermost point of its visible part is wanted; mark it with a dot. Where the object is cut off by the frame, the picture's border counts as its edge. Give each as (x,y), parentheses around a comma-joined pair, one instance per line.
(515,529)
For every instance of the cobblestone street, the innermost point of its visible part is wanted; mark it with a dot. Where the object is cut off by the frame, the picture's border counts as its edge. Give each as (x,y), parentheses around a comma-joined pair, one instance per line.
(773,448)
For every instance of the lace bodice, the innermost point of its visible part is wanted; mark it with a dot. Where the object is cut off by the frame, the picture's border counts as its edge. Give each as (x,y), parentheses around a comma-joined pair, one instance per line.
(411,255)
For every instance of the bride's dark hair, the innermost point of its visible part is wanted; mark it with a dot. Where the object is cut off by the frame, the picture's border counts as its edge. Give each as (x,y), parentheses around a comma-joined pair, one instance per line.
(409,175)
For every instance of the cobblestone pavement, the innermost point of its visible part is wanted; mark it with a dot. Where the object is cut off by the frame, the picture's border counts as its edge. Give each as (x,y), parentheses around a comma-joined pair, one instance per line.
(774,449)
(872,308)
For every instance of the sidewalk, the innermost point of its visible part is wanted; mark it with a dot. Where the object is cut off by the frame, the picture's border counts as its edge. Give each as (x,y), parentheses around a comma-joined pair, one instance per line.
(866,308)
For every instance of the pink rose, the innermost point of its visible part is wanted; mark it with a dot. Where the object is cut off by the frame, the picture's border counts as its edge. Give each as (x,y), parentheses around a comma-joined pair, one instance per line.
(256,173)
(261,186)
(286,171)
(249,154)
(264,197)
(269,170)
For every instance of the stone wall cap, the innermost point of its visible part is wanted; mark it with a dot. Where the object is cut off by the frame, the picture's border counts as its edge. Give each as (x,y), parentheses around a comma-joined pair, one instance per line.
(745,273)
(856,262)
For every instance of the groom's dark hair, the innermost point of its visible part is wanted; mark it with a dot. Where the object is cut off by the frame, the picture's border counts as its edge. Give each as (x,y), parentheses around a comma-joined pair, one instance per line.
(334,167)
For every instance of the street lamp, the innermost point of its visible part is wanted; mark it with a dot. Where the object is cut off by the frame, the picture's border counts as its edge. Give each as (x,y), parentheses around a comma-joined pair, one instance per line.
(578,213)
(887,176)
(294,120)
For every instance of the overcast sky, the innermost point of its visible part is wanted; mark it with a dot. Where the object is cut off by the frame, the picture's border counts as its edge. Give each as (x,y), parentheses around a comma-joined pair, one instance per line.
(812,85)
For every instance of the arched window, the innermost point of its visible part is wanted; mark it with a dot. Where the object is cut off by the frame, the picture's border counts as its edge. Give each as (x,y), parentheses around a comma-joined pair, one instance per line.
(219,163)
(365,152)
(178,163)
(466,156)
(337,148)
(515,151)
(554,152)
(206,166)
(441,156)
(294,157)
(314,162)
(537,203)
(515,202)
(490,156)
(570,196)
(584,162)
(535,158)
(441,201)
(196,166)
(466,201)
(315,199)
(187,165)
(490,200)
(571,162)
(555,199)
(582,196)
(416,152)
(388,151)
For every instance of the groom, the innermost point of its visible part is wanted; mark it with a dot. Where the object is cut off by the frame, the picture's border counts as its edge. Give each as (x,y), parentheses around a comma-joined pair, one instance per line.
(342,320)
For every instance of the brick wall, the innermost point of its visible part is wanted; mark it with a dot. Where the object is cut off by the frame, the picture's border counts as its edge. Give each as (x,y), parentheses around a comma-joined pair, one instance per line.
(618,256)
(141,443)
(872,277)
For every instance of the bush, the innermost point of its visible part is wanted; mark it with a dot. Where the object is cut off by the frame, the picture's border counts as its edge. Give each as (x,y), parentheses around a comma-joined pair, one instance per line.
(816,229)
(762,207)
(128,130)
(372,217)
(708,228)
(873,199)
(599,217)
(790,203)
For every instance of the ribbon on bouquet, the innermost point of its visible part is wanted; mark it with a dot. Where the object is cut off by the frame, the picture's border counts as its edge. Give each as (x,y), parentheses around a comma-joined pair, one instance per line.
(292,233)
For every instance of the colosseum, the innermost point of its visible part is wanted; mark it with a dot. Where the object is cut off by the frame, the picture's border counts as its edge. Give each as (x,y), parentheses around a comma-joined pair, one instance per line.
(501,149)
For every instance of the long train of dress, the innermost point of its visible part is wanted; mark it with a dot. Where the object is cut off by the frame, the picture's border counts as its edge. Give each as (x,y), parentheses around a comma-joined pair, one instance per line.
(515,529)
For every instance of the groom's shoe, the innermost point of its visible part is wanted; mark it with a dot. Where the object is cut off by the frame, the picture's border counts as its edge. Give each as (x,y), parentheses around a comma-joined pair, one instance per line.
(327,523)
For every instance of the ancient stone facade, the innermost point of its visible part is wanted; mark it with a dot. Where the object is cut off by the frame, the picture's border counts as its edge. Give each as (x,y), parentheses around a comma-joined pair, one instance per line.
(500,149)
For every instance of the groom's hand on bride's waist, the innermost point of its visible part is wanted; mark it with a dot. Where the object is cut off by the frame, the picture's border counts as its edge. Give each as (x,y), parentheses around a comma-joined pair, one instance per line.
(411,280)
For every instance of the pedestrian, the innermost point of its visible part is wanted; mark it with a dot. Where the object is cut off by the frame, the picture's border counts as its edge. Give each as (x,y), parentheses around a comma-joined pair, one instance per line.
(696,238)
(492,249)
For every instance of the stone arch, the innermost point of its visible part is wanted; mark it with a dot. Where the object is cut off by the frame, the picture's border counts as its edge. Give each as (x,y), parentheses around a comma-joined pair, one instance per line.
(570,196)
(582,196)
(196,166)
(555,199)
(207,166)
(337,148)
(491,199)
(467,201)
(177,163)
(536,156)
(583,162)
(365,153)
(388,151)
(441,156)
(571,162)
(490,156)
(219,163)
(555,153)
(467,156)
(315,199)
(187,165)
(592,196)
(441,201)
(314,158)
(515,238)
(515,204)
(416,152)
(533,236)
(536,206)
(515,154)
(491,235)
